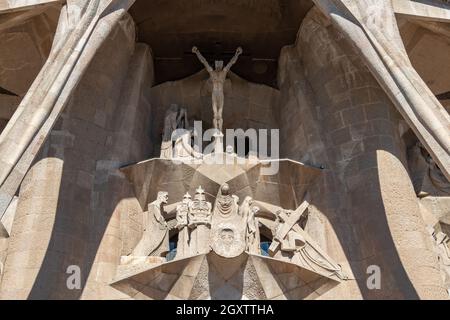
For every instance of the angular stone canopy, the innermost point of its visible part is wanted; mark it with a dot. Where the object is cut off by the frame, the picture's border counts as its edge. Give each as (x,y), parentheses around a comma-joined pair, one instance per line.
(210,277)
(286,188)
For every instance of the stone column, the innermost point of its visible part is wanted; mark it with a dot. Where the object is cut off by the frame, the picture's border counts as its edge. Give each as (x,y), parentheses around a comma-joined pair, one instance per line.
(365,199)
(370,26)
(34,231)
(113,194)
(67,226)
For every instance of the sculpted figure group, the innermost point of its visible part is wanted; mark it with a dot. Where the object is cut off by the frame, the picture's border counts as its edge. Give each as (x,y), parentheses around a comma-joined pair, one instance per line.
(229,229)
(176,116)
(193,221)
(196,217)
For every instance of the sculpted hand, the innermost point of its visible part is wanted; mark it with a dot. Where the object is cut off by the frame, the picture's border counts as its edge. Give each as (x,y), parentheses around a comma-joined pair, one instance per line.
(239,50)
(194,49)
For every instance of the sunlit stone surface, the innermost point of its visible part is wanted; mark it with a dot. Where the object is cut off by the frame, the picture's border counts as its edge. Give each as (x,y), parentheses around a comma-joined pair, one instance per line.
(110,174)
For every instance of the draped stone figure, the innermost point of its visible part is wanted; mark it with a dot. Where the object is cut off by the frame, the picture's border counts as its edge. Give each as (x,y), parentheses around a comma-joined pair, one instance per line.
(226,204)
(182,226)
(253,238)
(228,226)
(155,238)
(199,223)
(247,211)
(175,118)
(218,77)
(244,209)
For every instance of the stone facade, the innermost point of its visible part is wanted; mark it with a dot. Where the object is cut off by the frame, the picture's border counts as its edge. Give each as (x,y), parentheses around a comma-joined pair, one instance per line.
(362,168)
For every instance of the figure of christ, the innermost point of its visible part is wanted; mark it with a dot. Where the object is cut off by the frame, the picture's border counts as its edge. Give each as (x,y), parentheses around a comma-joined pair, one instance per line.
(218,77)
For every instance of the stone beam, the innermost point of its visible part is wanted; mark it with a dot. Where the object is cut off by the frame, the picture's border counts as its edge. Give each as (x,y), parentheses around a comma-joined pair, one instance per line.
(7,6)
(431,10)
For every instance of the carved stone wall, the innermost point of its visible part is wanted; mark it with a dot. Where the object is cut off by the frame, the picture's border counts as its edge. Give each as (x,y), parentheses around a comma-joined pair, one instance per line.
(366,208)
(365,199)
(70,201)
(247,105)
(24,49)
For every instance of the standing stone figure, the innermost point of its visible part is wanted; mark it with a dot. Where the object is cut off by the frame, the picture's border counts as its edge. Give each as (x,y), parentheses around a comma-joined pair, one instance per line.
(175,118)
(182,226)
(226,204)
(244,209)
(155,238)
(199,223)
(253,238)
(218,77)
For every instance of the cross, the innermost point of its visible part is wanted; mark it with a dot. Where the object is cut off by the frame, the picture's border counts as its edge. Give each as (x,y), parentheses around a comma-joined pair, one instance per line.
(289,222)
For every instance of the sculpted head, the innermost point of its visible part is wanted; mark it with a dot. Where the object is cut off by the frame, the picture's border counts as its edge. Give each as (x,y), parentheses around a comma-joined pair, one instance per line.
(219,65)
(227,236)
(163,197)
(200,194)
(225,189)
(248,200)
(187,198)
(278,218)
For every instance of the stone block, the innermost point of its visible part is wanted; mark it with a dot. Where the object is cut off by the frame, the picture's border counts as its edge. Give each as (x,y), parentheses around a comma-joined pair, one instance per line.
(340,136)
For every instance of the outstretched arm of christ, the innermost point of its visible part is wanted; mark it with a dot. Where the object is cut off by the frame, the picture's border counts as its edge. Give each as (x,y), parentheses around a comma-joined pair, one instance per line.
(202,59)
(234,60)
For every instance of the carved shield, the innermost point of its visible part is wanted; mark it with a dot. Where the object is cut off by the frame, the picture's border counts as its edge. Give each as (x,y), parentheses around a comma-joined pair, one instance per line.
(227,240)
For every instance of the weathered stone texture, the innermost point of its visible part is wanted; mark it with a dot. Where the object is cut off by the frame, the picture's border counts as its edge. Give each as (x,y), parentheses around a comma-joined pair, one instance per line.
(24,50)
(76,207)
(248,105)
(357,139)
(89,143)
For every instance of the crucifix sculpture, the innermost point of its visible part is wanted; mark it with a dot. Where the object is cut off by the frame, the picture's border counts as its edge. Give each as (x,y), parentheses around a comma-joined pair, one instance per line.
(218,77)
